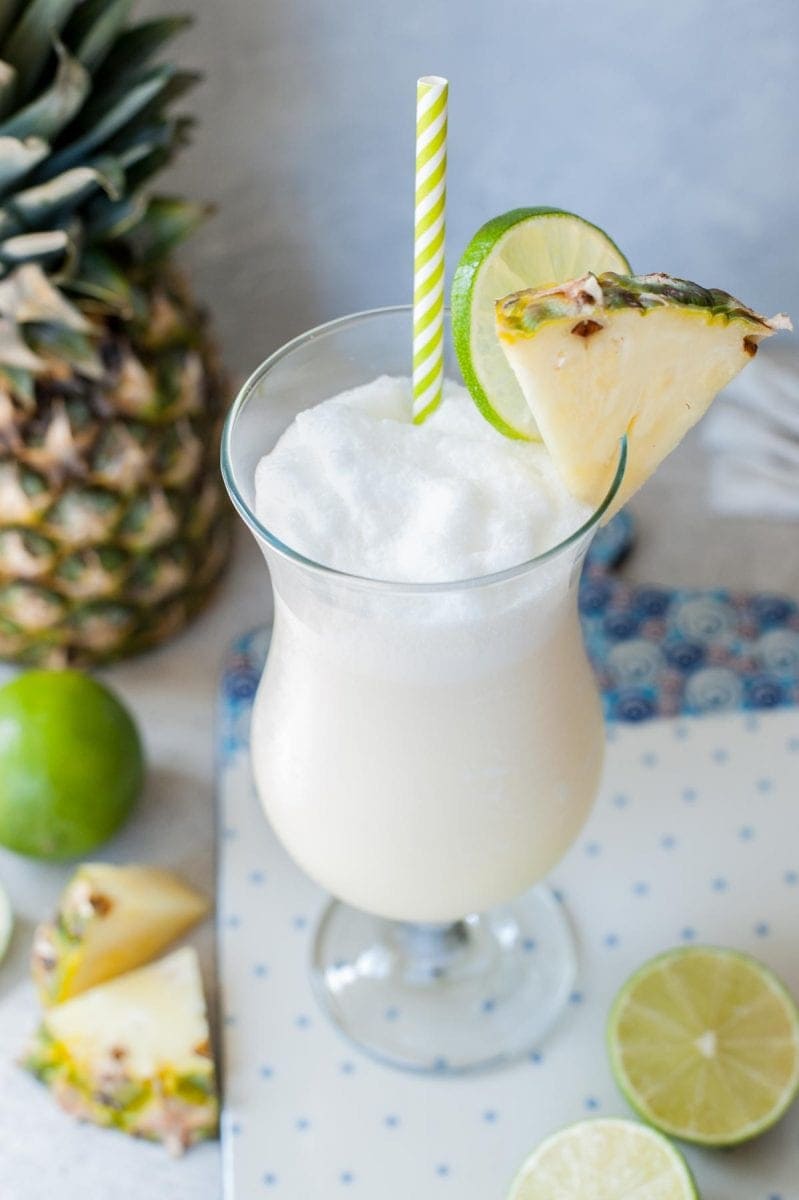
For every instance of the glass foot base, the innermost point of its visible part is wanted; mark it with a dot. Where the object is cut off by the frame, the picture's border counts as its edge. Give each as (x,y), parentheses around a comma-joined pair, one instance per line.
(446,999)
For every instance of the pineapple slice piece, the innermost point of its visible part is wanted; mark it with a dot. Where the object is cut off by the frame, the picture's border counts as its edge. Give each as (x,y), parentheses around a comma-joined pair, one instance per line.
(604,356)
(109,920)
(134,1054)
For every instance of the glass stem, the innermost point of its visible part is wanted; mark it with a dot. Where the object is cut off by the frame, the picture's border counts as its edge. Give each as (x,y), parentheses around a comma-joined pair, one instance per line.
(430,950)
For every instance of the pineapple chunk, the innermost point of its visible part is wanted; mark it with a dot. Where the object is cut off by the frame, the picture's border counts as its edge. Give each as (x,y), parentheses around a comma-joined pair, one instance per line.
(110,919)
(604,356)
(134,1054)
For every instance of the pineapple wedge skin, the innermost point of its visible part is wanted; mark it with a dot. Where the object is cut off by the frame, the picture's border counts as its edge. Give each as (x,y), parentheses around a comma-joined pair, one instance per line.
(134,1055)
(602,357)
(110,920)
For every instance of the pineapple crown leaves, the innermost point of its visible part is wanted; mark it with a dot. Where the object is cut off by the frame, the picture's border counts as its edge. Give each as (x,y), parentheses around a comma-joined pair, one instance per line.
(86,120)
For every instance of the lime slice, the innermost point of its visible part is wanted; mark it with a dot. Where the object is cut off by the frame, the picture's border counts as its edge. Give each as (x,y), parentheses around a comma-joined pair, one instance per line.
(524,248)
(604,1160)
(6,922)
(704,1043)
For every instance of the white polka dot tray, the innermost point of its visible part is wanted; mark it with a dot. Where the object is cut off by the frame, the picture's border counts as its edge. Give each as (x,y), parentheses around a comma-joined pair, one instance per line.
(694,838)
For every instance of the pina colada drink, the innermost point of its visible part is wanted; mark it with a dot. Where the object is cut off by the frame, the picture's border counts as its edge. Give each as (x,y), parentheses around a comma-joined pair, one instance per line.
(427,736)
(422,751)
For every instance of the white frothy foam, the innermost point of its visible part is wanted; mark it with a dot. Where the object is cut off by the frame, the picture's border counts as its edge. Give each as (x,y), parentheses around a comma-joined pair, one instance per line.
(353,484)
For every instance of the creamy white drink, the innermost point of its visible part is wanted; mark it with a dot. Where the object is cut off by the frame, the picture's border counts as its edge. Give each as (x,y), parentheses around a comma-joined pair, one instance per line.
(424,747)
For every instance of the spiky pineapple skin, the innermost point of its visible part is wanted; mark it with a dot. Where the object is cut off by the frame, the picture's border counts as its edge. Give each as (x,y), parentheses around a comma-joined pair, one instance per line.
(113,524)
(134,1054)
(140,1108)
(113,528)
(524,313)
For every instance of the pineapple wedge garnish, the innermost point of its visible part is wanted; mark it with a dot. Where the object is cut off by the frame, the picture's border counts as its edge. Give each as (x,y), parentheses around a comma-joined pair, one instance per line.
(604,356)
(134,1054)
(109,920)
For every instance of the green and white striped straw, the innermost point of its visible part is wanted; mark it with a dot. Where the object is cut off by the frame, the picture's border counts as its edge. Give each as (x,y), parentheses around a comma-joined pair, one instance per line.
(428,244)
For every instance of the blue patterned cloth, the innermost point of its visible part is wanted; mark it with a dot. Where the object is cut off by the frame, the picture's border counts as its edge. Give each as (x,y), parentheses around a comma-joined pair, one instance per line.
(656,651)
(663,652)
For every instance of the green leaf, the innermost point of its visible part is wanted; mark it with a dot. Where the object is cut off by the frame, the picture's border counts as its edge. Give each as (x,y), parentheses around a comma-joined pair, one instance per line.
(8,11)
(8,84)
(18,157)
(58,197)
(101,279)
(138,172)
(112,119)
(166,223)
(27,247)
(139,139)
(47,115)
(109,219)
(94,29)
(31,41)
(179,83)
(9,223)
(136,46)
(67,346)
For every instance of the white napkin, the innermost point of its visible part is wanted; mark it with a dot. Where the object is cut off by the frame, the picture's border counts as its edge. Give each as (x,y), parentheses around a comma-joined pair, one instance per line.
(752,436)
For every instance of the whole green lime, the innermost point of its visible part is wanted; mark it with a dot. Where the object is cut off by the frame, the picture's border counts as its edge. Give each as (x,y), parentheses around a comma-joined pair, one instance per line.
(71,764)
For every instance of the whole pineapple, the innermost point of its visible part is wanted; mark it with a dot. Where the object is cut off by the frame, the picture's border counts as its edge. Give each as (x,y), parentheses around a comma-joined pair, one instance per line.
(113,526)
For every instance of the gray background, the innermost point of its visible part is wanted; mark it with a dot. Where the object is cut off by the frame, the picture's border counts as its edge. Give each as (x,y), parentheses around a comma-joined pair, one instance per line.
(673,125)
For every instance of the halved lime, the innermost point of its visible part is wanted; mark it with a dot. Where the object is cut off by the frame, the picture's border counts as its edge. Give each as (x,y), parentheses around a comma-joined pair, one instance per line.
(524,248)
(6,922)
(704,1043)
(604,1160)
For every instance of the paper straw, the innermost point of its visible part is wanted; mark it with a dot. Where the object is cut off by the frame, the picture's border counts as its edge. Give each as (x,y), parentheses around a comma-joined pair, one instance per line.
(428,244)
